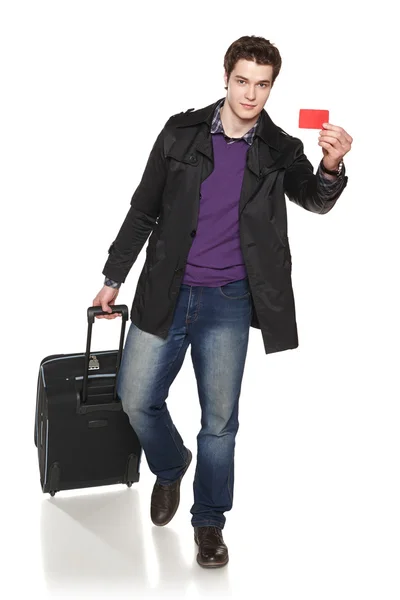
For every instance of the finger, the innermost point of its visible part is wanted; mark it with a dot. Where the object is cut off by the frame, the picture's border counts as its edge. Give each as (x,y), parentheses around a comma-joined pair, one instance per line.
(341,143)
(331,149)
(336,128)
(333,134)
(330,139)
(332,127)
(341,147)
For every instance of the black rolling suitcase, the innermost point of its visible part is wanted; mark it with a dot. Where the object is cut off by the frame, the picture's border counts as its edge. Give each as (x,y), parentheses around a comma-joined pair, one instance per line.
(82,435)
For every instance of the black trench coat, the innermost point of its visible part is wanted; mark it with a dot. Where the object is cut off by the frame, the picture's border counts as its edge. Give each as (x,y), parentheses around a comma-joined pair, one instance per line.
(166,204)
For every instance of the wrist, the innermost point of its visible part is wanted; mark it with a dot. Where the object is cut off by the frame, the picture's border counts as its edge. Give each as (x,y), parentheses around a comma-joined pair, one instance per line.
(330,166)
(331,169)
(111,283)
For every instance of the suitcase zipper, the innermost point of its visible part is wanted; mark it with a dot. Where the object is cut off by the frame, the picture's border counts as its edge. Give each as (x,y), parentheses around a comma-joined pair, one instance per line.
(47,439)
(67,356)
(64,356)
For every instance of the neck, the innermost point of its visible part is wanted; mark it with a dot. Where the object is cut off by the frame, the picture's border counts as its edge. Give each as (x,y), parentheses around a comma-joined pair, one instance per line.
(234,126)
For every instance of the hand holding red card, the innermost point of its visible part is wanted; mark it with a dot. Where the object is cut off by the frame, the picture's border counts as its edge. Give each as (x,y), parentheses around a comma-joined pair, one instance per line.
(334,140)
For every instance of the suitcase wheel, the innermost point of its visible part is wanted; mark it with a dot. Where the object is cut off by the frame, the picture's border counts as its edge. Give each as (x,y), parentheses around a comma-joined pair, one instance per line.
(53,492)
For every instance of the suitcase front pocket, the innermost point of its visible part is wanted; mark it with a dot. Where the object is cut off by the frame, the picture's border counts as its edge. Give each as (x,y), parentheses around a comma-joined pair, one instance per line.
(99,393)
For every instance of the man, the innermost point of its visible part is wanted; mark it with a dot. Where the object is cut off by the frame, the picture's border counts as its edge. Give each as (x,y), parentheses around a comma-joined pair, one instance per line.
(218,261)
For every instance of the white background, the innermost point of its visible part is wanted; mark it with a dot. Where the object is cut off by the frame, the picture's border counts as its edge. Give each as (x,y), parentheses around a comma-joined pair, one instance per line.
(85,88)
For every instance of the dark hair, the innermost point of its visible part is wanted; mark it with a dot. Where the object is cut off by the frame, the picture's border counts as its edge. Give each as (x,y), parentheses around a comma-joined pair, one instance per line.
(251,47)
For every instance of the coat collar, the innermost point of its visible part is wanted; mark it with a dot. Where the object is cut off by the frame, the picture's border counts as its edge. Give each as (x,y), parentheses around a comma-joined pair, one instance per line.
(266,128)
(262,158)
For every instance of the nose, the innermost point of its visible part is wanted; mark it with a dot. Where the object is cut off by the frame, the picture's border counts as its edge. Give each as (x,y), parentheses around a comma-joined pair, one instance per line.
(250,96)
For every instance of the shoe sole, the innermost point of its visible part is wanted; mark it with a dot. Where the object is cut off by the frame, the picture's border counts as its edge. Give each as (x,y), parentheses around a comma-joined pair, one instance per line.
(179,494)
(212,565)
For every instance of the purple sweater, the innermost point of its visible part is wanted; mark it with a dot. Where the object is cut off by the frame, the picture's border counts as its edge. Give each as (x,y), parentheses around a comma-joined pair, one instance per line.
(215,257)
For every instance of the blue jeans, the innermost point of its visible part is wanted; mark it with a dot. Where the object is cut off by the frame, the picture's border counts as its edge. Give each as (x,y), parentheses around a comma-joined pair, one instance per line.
(216,322)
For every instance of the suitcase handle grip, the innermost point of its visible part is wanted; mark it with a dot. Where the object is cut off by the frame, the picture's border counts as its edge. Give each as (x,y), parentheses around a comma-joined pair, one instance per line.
(92,311)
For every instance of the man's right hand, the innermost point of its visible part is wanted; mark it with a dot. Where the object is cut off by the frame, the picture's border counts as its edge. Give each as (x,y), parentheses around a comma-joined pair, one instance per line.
(106,298)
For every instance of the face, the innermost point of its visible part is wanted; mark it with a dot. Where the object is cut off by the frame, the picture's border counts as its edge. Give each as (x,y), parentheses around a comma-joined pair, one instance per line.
(249,83)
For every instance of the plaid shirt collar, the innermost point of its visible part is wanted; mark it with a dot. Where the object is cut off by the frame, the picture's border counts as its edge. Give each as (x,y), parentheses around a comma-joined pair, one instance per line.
(216,127)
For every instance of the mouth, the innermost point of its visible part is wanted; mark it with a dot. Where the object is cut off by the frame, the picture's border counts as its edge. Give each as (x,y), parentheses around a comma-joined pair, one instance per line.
(248,105)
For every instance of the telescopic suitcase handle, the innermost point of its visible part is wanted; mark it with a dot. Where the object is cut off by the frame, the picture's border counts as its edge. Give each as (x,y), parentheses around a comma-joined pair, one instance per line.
(92,312)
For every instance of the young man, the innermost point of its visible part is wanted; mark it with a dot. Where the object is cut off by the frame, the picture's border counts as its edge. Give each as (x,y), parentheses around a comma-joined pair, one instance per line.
(218,262)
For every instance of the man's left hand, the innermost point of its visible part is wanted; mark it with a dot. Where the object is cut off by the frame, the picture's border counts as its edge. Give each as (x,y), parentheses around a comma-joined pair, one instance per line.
(335,143)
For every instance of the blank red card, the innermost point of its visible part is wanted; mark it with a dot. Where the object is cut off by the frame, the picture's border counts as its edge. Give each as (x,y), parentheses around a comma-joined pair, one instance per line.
(312,119)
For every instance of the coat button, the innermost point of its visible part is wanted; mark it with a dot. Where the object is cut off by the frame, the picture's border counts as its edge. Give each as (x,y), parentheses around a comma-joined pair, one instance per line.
(193,233)
(192,158)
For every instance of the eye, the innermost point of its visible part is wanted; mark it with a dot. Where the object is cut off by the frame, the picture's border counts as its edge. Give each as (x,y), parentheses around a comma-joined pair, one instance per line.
(242,80)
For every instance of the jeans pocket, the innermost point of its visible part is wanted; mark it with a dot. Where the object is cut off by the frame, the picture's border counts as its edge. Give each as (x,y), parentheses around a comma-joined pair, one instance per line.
(235,290)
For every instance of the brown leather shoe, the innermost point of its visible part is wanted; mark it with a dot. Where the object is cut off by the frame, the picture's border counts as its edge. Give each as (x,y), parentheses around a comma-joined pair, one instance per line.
(213,552)
(165,498)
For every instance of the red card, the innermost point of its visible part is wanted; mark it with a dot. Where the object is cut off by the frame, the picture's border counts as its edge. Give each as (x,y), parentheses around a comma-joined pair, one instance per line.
(312,119)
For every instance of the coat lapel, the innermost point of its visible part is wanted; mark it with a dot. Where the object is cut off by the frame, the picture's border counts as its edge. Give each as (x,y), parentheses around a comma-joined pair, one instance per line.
(266,154)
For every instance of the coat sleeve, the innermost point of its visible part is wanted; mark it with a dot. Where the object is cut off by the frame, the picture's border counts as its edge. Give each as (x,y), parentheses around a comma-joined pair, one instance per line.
(306,189)
(141,217)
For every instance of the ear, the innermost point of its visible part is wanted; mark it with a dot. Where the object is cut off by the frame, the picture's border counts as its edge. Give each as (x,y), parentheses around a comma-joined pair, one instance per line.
(226,78)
